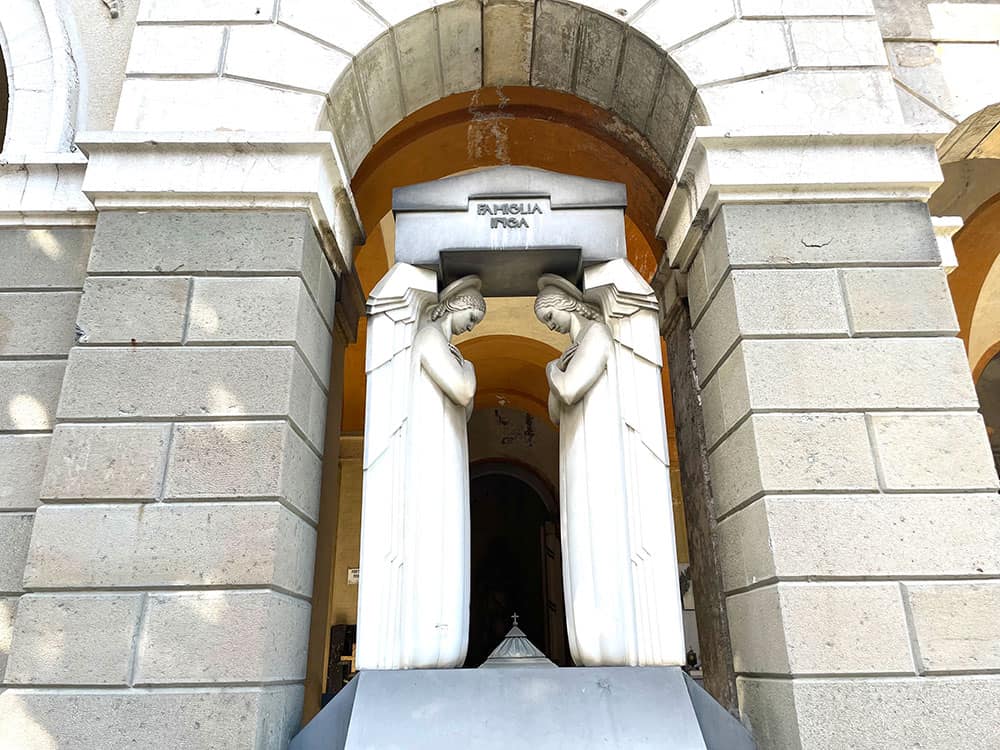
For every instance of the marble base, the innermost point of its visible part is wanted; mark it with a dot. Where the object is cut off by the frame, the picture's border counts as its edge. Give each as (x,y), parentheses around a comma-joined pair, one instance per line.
(580,708)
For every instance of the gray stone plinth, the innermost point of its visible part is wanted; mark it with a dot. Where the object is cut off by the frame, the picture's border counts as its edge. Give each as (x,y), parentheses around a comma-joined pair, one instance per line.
(621,707)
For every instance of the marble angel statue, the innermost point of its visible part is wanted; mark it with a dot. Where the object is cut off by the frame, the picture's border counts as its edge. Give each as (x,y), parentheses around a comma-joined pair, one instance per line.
(413,601)
(606,395)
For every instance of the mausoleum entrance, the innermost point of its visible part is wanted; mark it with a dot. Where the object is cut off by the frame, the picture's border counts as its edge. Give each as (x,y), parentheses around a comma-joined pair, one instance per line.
(515,562)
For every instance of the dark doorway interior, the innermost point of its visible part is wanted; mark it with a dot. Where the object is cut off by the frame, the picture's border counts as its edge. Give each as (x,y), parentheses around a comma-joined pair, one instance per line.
(4,101)
(514,566)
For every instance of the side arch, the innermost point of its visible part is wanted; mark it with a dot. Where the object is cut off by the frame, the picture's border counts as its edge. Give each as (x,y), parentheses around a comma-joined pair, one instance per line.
(42,76)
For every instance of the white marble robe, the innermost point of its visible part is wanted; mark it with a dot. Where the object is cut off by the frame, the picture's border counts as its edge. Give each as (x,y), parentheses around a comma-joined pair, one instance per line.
(620,570)
(413,602)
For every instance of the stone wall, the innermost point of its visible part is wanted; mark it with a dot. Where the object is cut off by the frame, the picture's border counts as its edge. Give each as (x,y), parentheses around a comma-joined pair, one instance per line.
(854,488)
(171,561)
(42,279)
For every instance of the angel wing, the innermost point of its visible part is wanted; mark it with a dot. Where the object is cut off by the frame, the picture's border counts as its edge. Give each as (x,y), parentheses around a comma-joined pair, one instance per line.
(631,312)
(394,310)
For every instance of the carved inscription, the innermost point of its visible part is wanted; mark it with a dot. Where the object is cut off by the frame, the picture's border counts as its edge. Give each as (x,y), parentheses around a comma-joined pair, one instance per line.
(508,215)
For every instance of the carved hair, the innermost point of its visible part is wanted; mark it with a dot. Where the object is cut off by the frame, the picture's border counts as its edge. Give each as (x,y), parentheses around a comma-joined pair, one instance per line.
(567,303)
(457,304)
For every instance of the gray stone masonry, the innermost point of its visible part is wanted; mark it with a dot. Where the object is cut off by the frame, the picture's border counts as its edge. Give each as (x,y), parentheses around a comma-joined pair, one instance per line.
(856,497)
(40,286)
(171,559)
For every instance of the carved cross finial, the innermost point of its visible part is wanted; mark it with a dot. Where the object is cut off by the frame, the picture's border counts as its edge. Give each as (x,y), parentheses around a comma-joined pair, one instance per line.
(514,618)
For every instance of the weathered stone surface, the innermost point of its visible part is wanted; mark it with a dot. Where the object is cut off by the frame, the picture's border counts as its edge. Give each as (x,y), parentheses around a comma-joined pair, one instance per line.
(275,310)
(15,534)
(791,8)
(419,61)
(8,610)
(821,374)
(192,720)
(846,234)
(277,54)
(818,100)
(460,37)
(956,625)
(508,26)
(837,43)
(195,50)
(212,104)
(206,10)
(199,381)
(346,25)
(639,81)
(669,22)
(884,713)
(669,121)
(792,452)
(767,708)
(557,25)
(915,19)
(348,119)
(37,323)
(933,452)
(923,66)
(106,462)
(222,636)
(890,300)
(168,545)
(45,257)
(22,465)
(243,459)
(703,536)
(760,303)
(184,242)
(806,628)
(29,391)
(599,47)
(124,309)
(74,639)
(851,536)
(736,50)
(378,75)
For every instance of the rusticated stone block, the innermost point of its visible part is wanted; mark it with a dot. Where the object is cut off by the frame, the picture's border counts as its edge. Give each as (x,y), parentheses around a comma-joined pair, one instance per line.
(122,309)
(171,545)
(181,719)
(890,300)
(243,459)
(15,534)
(45,257)
(106,462)
(74,639)
(29,391)
(888,536)
(933,452)
(185,242)
(223,636)
(789,453)
(805,628)
(272,310)
(37,323)
(203,381)
(22,465)
(956,624)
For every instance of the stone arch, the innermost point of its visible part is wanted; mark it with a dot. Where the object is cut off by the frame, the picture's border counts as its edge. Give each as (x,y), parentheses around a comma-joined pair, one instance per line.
(465,46)
(357,68)
(42,76)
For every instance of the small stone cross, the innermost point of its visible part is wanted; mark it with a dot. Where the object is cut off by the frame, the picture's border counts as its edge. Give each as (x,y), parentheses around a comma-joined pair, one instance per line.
(514,618)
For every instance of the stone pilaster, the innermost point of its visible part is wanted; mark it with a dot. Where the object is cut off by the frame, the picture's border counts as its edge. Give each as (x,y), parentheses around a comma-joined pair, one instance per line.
(170,568)
(855,496)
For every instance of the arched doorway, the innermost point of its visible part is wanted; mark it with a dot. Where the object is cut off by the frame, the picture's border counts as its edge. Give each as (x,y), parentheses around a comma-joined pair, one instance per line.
(516,563)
